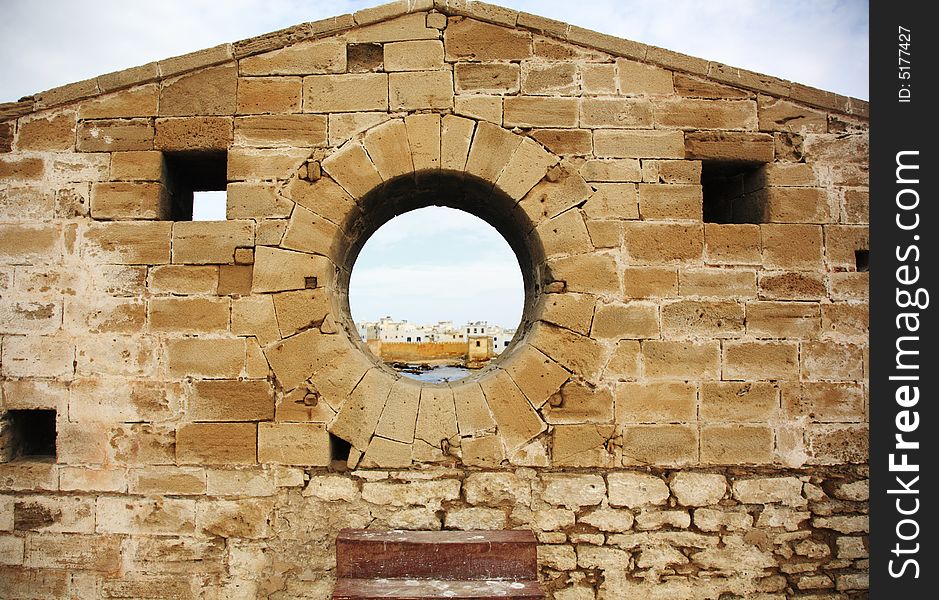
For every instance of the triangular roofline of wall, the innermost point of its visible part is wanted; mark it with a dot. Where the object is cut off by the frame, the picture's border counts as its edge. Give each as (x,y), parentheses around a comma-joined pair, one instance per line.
(618,47)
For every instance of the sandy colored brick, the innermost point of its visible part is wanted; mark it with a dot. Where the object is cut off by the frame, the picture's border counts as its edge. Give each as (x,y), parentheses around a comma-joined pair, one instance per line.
(738,402)
(469,39)
(605,234)
(115,135)
(217,443)
(352,168)
(550,79)
(856,206)
(183,279)
(187,95)
(692,87)
(732,244)
(718,283)
(343,126)
(795,285)
(518,421)
(135,102)
(670,202)
(681,360)
(825,360)
(50,132)
(781,115)
(265,95)
(302,58)
(235,280)
(590,273)
(638,144)
(582,445)
(615,170)
(671,445)
(792,246)
(388,148)
(649,282)
(537,111)
(309,232)
(825,401)
(727,145)
(577,403)
(565,141)
(193,134)
(188,314)
(303,444)
(700,318)
(416,55)
(843,319)
(561,190)
(634,320)
(399,418)
(280,270)
(671,171)
(202,242)
(528,165)
(598,79)
(345,93)
(30,243)
(407,27)
(255,200)
(495,78)
(300,309)
(850,286)
(706,114)
(436,418)
(783,319)
(178,481)
(535,374)
(736,444)
(565,234)
(638,78)
(129,201)
(127,243)
(655,402)
(655,243)
(844,242)
(760,360)
(360,414)
(572,311)
(137,166)
(612,201)
(479,107)
(492,148)
(211,358)
(420,90)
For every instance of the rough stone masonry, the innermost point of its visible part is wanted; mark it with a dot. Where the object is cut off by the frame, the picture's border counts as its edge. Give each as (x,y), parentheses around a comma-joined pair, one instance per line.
(683,413)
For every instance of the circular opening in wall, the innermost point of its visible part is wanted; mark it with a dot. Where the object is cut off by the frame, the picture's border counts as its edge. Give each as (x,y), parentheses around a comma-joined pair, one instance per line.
(440,276)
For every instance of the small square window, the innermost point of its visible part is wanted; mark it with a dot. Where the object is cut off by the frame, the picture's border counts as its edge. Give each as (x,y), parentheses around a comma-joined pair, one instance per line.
(862,260)
(28,433)
(197,183)
(732,192)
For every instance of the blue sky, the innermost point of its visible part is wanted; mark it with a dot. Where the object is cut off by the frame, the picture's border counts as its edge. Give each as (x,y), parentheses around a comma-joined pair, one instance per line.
(46,43)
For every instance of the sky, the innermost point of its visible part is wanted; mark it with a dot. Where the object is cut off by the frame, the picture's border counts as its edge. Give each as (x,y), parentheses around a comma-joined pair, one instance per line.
(47,43)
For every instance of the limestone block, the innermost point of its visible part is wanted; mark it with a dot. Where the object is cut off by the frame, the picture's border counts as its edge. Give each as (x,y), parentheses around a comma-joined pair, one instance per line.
(344,126)
(550,79)
(475,518)
(573,490)
(494,78)
(744,402)
(210,91)
(427,493)
(324,197)
(583,445)
(193,133)
(265,95)
(281,270)
(784,490)
(399,417)
(351,167)
(469,39)
(760,360)
(717,283)
(535,374)
(742,444)
(590,273)
(749,147)
(309,232)
(655,402)
(411,26)
(64,514)
(303,444)
(735,558)
(660,445)
(114,135)
(55,132)
(183,279)
(205,357)
(456,135)
(436,417)
(115,400)
(635,320)
(245,518)
(598,79)
(650,282)
(296,358)
(691,87)
(229,482)
(706,114)
(562,189)
(231,400)
(794,285)
(387,453)
(732,244)
(126,243)
(492,150)
(564,234)
(781,115)
(783,319)
(612,201)
(624,363)
(561,558)
(257,164)
(423,133)
(160,480)
(712,519)
(637,78)
(359,415)
(345,93)
(483,108)
(136,201)
(564,141)
(30,476)
(35,356)
(571,311)
(331,488)
(71,553)
(188,314)
(300,309)
(518,421)
(636,489)
(702,318)
(217,443)
(670,201)
(155,516)
(91,479)
(609,113)
(698,489)
(540,111)
(657,519)
(528,166)
(302,58)
(611,170)
(792,246)
(850,286)
(202,242)
(638,144)
(832,361)
(280,130)
(825,402)
(485,451)
(576,353)
(666,359)
(497,489)
(388,148)
(29,317)
(137,166)
(657,243)
(417,55)
(472,411)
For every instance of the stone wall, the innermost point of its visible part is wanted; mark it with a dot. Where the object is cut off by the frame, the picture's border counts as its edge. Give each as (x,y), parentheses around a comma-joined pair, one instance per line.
(683,412)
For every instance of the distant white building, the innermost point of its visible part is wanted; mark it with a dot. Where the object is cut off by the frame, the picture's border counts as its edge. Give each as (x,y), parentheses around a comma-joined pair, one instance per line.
(387,329)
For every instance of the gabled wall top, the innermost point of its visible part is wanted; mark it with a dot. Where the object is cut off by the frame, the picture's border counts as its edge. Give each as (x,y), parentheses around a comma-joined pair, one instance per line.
(615,46)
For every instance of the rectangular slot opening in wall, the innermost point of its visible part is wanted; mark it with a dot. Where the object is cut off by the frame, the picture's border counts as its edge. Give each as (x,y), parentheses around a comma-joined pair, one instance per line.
(862,260)
(197,184)
(27,434)
(732,191)
(339,452)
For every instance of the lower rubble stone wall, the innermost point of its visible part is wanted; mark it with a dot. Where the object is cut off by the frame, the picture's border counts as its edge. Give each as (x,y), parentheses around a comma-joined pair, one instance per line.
(193,532)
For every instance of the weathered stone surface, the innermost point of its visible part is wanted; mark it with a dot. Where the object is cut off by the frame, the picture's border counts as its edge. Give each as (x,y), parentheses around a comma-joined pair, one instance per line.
(573,491)
(635,490)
